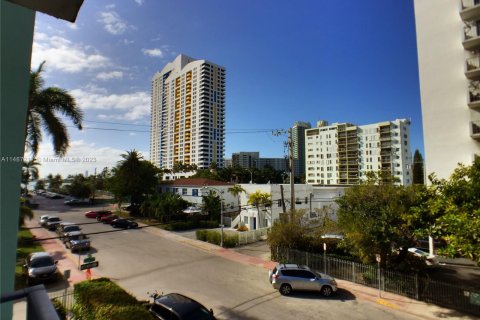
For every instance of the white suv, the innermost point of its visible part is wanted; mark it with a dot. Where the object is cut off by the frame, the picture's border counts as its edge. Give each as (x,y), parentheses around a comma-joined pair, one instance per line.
(288,277)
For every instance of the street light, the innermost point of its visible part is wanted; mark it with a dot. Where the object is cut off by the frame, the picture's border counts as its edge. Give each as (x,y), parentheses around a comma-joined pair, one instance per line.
(221,211)
(251,176)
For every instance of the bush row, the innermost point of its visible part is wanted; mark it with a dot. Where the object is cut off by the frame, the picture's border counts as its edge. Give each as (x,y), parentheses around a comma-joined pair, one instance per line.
(101,299)
(187,225)
(214,237)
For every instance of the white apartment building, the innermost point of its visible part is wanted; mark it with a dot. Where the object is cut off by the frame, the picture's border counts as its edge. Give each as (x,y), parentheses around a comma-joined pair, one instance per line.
(188,114)
(448,44)
(343,153)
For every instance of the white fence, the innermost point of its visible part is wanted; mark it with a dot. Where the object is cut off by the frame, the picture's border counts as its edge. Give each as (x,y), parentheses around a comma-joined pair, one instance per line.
(247,237)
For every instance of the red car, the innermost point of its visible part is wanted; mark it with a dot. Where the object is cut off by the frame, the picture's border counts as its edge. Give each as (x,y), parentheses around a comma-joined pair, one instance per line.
(108,219)
(97,214)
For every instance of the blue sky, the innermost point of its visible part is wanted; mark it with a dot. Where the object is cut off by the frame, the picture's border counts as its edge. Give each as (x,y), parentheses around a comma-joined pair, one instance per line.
(340,61)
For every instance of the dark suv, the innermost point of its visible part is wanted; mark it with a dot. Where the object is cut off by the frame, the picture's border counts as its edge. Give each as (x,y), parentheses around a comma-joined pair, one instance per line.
(288,277)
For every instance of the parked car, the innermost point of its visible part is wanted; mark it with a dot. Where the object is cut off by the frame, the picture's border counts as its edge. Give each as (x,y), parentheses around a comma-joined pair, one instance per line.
(77,241)
(108,219)
(43,220)
(124,223)
(289,277)
(52,223)
(430,261)
(178,306)
(76,202)
(39,267)
(95,214)
(66,227)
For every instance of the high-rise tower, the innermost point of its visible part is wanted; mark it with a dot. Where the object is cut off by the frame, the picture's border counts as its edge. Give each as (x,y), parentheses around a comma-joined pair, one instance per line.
(188,114)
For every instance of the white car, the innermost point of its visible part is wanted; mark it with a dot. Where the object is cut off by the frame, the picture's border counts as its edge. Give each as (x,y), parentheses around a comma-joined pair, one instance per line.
(43,220)
(430,260)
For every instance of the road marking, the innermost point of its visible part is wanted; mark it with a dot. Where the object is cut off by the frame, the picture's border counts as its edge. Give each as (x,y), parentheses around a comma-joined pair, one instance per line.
(387,304)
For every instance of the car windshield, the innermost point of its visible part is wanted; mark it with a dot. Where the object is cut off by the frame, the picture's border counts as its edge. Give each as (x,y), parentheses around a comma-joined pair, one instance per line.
(42,262)
(53,219)
(78,237)
(71,228)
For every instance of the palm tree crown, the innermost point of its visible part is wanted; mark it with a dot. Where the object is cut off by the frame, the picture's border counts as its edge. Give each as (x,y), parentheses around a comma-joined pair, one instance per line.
(43,105)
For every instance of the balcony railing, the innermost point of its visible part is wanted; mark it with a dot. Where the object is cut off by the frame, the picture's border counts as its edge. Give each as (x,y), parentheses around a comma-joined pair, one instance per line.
(470,10)
(473,99)
(472,68)
(39,305)
(475,130)
(472,39)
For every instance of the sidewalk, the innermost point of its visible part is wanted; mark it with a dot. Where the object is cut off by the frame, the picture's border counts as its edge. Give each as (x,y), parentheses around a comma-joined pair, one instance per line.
(387,300)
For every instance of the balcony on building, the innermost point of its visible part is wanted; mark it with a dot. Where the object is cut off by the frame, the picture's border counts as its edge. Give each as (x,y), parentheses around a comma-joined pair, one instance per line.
(473,97)
(470,10)
(472,68)
(475,130)
(472,36)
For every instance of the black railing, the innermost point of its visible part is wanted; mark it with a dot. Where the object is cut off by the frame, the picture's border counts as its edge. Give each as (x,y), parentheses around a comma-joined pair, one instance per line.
(39,306)
(414,286)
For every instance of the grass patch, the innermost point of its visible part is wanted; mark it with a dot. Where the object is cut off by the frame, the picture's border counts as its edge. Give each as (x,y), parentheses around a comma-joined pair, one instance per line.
(25,246)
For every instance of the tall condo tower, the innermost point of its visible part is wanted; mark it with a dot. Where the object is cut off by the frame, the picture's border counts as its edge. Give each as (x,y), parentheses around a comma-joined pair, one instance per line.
(448,45)
(188,114)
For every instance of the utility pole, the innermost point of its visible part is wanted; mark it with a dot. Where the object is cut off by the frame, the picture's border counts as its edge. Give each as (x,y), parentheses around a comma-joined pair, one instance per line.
(289,145)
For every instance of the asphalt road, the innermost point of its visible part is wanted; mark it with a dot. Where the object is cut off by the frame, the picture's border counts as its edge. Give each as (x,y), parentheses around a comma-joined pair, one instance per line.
(142,261)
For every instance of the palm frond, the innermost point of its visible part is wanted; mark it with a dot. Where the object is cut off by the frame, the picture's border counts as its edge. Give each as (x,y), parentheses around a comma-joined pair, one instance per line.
(56,130)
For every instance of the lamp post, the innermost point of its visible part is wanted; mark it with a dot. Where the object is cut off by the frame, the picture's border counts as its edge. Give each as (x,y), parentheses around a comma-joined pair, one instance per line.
(251,176)
(220,192)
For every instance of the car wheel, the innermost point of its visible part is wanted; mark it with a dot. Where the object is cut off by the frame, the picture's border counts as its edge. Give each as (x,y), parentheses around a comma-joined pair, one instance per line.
(326,291)
(98,218)
(285,289)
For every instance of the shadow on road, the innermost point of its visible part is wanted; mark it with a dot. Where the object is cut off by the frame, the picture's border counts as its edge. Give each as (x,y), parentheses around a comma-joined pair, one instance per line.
(237,311)
(341,295)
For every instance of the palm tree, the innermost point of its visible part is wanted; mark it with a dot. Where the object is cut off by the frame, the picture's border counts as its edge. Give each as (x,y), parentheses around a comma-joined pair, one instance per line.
(236,190)
(260,198)
(43,105)
(29,172)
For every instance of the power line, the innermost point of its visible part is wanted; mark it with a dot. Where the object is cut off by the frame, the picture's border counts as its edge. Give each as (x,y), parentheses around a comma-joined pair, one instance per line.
(148,131)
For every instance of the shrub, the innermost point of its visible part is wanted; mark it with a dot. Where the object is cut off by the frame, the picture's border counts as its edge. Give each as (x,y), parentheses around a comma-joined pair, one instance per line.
(61,311)
(243,228)
(101,299)
(230,241)
(208,224)
(213,237)
(201,235)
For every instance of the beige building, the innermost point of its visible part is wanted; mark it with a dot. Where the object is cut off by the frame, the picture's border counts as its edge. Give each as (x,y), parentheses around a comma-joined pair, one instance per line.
(343,153)
(448,44)
(188,114)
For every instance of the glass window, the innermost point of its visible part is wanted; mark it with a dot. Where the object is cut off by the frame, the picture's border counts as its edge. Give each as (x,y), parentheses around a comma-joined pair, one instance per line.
(184,191)
(195,192)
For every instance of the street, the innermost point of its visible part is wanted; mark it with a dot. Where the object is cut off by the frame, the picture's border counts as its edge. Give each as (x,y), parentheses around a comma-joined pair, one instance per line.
(144,260)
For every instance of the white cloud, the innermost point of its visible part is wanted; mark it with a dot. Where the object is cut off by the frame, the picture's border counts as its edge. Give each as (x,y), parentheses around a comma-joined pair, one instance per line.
(127,42)
(139,2)
(61,54)
(130,106)
(113,23)
(81,157)
(105,76)
(72,26)
(156,52)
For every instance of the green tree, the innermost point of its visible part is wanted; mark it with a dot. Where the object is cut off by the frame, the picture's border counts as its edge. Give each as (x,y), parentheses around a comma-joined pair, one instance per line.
(25,212)
(133,178)
(378,219)
(43,106)
(79,187)
(29,172)
(54,182)
(40,185)
(236,191)
(418,168)
(211,205)
(453,207)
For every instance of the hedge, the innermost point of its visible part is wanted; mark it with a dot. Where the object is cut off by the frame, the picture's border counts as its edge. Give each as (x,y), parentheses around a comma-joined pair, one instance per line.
(214,237)
(101,299)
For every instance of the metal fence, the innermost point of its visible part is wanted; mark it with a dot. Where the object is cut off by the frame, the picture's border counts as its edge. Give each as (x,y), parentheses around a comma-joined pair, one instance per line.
(66,298)
(414,286)
(246,237)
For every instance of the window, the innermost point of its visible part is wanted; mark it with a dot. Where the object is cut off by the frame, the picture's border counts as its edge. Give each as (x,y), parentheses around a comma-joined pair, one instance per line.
(195,192)
(279,202)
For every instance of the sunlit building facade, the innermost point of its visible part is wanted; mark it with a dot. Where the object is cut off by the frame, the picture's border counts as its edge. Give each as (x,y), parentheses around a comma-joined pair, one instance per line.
(188,114)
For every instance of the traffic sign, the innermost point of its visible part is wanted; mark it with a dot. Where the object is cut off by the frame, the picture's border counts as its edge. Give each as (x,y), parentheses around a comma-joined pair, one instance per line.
(89,265)
(89,259)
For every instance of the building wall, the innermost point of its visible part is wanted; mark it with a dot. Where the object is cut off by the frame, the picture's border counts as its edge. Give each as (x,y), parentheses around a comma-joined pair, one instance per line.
(188,114)
(342,153)
(298,139)
(444,86)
